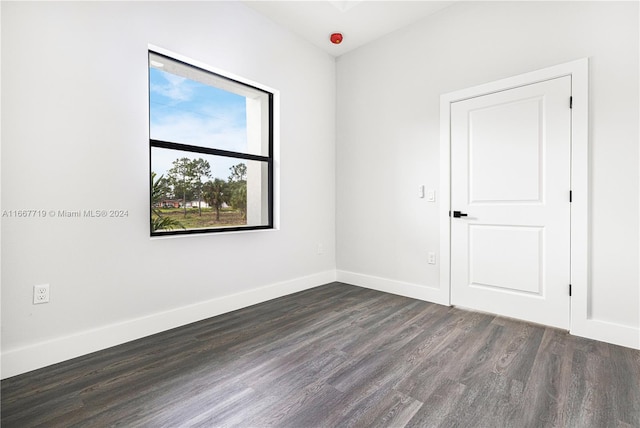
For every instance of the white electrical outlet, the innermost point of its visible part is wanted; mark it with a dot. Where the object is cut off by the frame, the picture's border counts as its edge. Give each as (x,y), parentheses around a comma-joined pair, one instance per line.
(40,294)
(431,195)
(431,258)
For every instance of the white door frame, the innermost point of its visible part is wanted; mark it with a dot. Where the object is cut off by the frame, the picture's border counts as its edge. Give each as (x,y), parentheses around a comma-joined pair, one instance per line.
(579,72)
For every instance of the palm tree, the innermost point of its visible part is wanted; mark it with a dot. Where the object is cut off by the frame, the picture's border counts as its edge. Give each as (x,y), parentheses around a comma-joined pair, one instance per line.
(216,194)
(159,189)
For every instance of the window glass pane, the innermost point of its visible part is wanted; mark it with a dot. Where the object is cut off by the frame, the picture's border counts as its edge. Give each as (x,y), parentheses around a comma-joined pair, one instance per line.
(191,106)
(210,143)
(201,191)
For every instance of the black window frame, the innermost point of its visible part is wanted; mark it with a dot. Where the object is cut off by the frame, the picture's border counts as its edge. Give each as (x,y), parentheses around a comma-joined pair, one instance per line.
(172,145)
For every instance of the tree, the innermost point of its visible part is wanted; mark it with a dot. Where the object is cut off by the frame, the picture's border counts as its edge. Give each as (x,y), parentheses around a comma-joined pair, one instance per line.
(238,188)
(180,178)
(238,199)
(159,190)
(199,169)
(216,194)
(238,173)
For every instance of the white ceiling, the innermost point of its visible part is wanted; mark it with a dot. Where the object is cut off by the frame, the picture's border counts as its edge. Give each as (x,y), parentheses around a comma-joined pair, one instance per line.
(360,21)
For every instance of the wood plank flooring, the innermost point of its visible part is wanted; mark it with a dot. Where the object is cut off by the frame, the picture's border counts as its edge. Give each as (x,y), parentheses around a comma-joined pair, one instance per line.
(338,356)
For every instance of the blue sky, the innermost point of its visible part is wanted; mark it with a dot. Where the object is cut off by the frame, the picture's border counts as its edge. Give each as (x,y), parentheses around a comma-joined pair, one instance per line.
(187,111)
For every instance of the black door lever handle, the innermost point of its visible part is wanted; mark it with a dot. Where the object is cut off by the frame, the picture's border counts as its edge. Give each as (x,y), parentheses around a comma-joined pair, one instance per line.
(458,214)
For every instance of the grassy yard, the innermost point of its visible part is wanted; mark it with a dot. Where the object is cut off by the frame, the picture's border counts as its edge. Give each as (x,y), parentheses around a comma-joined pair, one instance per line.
(228,217)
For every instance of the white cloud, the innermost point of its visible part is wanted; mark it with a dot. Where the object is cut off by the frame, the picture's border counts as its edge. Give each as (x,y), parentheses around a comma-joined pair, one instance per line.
(177,88)
(220,132)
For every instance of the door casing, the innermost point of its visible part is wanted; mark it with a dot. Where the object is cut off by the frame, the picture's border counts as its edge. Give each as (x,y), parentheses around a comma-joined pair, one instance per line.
(578,70)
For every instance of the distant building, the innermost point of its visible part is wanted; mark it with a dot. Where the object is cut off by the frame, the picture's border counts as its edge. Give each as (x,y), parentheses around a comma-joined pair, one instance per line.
(194,204)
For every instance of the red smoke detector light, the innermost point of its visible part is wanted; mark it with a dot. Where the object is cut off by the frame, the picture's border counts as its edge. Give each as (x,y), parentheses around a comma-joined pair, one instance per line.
(336,38)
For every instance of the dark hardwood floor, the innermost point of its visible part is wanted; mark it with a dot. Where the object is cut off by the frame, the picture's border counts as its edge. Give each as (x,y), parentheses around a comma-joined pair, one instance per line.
(338,356)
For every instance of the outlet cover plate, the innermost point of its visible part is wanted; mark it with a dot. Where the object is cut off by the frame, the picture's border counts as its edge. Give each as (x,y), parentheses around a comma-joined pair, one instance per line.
(40,294)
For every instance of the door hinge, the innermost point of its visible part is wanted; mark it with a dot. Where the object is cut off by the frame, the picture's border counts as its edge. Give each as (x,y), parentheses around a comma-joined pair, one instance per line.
(569,290)
(570,102)
(570,195)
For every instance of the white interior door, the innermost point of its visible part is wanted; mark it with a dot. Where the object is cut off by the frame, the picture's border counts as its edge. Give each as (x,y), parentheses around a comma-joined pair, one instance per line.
(511,176)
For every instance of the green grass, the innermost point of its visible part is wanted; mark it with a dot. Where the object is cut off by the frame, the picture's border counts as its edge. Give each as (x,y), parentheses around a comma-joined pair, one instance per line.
(228,217)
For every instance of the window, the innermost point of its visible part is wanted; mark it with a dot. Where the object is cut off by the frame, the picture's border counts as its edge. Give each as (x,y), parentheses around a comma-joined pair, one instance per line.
(211,151)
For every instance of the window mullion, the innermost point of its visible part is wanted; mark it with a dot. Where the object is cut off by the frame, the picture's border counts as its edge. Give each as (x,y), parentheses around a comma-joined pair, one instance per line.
(207,150)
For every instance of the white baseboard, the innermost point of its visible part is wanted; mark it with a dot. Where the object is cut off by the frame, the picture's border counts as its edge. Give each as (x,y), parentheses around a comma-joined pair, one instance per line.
(616,334)
(32,357)
(407,289)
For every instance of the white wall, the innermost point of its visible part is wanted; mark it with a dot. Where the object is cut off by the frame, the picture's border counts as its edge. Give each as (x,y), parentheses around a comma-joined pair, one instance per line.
(75,136)
(388,139)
